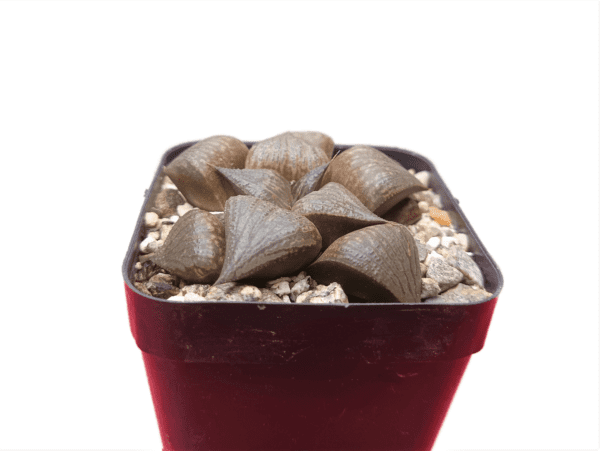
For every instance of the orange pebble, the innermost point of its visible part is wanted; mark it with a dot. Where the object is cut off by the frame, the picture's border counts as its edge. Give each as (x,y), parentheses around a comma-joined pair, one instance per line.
(440,216)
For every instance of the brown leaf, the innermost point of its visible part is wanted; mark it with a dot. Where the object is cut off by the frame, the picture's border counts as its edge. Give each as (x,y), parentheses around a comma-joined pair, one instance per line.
(335,211)
(308,183)
(287,154)
(264,184)
(195,248)
(265,241)
(317,139)
(405,212)
(194,175)
(379,263)
(376,179)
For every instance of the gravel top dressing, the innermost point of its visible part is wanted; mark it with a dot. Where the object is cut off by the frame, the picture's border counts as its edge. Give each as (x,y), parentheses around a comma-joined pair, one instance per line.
(290,220)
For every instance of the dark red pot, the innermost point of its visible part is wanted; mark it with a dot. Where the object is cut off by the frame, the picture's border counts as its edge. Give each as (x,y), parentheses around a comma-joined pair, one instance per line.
(247,376)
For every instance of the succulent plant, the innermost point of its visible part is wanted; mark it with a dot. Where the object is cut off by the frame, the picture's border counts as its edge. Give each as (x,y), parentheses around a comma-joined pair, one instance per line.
(335,211)
(194,174)
(308,183)
(379,263)
(377,180)
(317,139)
(195,248)
(287,154)
(272,228)
(264,184)
(263,240)
(405,212)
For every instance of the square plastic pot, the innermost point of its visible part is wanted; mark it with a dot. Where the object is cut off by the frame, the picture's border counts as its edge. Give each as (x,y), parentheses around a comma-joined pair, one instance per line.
(274,376)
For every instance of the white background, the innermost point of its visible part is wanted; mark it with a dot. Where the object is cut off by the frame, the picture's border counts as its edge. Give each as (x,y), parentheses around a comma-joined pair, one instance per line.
(501,96)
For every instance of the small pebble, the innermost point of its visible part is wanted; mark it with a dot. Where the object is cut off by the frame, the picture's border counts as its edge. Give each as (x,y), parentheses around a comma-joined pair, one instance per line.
(155,234)
(299,277)
(331,294)
(428,231)
(433,255)
(163,285)
(411,171)
(282,288)
(151,219)
(421,236)
(250,293)
(167,201)
(268,296)
(423,177)
(440,216)
(174,219)
(142,287)
(183,209)
(463,241)
(276,281)
(434,300)
(461,260)
(286,298)
(193,297)
(423,269)
(423,206)
(165,278)
(199,289)
(138,266)
(460,294)
(176,298)
(425,220)
(430,197)
(165,230)
(231,297)
(429,288)
(148,270)
(338,292)
(433,243)
(447,231)
(422,248)
(304,297)
(448,241)
(299,288)
(220,291)
(147,245)
(323,299)
(445,275)
(167,183)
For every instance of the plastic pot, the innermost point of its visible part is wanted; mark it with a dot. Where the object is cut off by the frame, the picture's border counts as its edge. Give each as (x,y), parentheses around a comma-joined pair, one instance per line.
(249,376)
